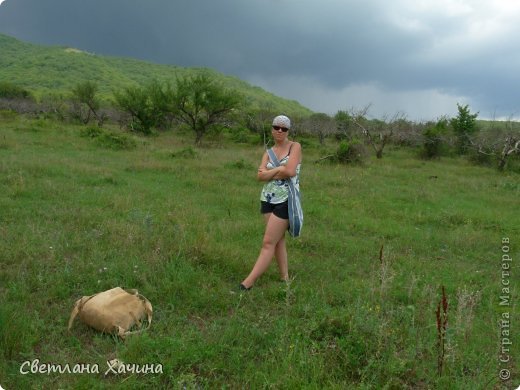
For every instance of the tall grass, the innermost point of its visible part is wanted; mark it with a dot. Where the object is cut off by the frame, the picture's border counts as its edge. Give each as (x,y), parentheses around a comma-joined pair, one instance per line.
(182,226)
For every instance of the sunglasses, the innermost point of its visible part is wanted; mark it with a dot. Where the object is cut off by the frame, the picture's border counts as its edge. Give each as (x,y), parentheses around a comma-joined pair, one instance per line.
(278,128)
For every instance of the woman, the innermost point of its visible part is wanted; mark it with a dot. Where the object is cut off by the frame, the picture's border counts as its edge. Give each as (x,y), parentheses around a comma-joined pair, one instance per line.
(274,200)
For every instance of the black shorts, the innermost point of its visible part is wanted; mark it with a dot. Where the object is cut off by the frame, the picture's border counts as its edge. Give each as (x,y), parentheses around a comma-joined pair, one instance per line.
(281,210)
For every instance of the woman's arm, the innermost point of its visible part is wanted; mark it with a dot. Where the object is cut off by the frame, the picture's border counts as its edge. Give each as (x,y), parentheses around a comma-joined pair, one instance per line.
(289,170)
(265,174)
(268,174)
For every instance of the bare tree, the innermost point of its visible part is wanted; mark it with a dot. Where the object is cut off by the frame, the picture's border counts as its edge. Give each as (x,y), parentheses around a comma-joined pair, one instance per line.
(503,148)
(377,132)
(320,124)
(510,146)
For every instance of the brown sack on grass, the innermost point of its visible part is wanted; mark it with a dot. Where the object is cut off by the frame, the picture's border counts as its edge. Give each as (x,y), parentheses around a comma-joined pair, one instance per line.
(114,310)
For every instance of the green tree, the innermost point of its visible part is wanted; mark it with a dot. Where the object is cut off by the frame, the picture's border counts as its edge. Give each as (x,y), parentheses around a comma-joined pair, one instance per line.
(201,103)
(343,125)
(85,103)
(464,125)
(137,103)
(161,104)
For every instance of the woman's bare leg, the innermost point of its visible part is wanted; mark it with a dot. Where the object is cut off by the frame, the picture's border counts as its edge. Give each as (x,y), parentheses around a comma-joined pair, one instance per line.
(274,232)
(280,253)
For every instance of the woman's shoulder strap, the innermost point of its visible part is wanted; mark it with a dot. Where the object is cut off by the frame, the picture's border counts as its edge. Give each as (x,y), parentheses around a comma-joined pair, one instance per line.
(272,157)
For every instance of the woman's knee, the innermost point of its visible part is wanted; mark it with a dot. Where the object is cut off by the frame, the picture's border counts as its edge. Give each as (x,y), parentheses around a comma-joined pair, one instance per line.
(275,232)
(268,242)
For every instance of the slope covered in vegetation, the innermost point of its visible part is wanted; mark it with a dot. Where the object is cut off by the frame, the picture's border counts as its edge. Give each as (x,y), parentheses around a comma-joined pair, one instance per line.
(54,69)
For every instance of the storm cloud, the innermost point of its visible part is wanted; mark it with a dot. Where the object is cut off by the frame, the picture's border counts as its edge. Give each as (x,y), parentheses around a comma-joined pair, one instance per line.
(417,57)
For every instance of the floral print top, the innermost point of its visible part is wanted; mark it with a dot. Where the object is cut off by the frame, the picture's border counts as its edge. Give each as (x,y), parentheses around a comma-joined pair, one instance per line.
(277,191)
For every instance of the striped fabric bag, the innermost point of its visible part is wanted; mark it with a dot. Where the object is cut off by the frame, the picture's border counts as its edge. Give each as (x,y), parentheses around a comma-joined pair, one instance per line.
(294,201)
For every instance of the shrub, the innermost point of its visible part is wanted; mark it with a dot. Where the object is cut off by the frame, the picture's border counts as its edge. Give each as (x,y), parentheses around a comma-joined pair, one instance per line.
(110,140)
(433,139)
(91,132)
(13,91)
(350,152)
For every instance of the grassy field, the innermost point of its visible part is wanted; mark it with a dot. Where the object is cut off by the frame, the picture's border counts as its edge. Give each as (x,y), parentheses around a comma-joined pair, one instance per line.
(181,224)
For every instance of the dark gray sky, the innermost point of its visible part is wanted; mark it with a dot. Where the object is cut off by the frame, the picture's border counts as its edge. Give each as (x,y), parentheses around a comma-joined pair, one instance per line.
(419,57)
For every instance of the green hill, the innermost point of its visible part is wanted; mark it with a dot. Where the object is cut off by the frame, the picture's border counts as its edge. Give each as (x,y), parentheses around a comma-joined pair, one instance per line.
(55,69)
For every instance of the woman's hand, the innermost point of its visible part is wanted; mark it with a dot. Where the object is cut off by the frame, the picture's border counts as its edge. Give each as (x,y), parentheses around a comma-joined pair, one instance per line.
(265,174)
